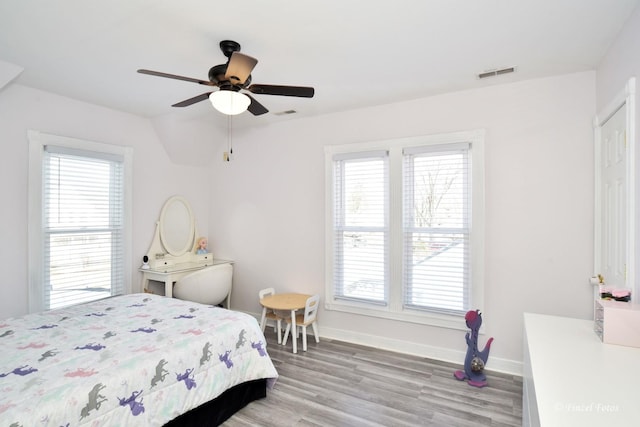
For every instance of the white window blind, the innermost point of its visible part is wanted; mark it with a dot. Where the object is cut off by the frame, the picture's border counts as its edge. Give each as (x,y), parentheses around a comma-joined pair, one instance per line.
(361,226)
(436,228)
(82,226)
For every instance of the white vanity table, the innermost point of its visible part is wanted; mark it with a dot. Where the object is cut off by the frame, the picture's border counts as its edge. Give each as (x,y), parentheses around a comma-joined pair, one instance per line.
(169,274)
(172,254)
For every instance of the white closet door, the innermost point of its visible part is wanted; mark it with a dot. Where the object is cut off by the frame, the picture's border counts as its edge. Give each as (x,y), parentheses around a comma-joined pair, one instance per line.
(613,207)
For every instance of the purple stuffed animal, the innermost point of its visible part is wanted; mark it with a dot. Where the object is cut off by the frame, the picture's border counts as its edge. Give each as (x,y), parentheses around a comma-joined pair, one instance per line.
(475,360)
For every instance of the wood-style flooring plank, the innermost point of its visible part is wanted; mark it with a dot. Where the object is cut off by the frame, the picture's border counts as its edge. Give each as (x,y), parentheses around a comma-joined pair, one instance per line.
(341,384)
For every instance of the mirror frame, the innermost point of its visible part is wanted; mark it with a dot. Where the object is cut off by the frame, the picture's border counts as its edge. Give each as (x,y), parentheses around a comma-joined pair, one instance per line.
(172,250)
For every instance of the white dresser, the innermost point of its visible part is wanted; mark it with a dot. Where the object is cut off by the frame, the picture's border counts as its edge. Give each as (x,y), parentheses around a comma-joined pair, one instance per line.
(571,378)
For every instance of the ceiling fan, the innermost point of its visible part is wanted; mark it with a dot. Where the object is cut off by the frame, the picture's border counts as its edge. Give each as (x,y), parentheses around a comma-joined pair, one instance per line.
(231,78)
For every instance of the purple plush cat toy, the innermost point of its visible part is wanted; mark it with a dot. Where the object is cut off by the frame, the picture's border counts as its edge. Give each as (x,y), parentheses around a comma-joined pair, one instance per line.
(475,360)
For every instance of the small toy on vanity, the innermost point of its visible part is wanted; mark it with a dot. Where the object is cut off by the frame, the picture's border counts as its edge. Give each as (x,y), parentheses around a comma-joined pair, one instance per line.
(475,360)
(202,245)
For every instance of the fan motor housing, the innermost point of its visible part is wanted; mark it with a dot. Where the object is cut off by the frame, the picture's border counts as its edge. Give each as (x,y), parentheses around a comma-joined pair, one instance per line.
(217,72)
(217,76)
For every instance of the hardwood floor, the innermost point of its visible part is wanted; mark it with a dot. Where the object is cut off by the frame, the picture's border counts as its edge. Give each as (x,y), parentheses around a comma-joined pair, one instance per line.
(341,384)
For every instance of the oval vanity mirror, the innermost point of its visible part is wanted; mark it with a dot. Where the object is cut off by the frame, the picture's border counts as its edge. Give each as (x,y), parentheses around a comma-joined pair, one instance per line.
(177,226)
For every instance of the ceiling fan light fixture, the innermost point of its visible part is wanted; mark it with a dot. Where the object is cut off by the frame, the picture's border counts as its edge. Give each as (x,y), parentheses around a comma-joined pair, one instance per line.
(229,102)
(230,78)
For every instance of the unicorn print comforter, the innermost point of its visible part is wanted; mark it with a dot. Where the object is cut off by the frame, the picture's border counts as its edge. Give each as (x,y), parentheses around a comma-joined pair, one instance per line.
(131,360)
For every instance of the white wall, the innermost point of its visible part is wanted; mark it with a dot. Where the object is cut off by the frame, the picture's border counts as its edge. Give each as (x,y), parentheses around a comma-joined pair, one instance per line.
(620,64)
(155,177)
(267,210)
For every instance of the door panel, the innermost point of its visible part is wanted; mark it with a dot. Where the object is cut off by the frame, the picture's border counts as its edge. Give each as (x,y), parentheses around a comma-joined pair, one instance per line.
(613,197)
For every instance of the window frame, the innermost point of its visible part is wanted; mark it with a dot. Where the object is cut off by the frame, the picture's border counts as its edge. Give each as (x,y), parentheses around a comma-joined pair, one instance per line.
(394,309)
(341,217)
(37,143)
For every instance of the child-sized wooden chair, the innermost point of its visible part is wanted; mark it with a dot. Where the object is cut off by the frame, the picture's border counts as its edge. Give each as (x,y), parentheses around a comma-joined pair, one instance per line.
(303,320)
(268,314)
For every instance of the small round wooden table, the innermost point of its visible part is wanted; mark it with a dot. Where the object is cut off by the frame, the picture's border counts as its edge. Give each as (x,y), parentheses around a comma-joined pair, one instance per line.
(287,302)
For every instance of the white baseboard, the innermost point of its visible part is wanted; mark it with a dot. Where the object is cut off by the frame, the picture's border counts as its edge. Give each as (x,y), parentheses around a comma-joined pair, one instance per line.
(496,364)
(416,349)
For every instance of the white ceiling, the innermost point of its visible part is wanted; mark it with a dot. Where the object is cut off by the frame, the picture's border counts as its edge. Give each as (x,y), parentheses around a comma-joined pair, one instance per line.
(355,53)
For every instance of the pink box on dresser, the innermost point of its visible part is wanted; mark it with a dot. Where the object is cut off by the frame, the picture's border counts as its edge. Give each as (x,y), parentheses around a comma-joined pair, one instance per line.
(617,322)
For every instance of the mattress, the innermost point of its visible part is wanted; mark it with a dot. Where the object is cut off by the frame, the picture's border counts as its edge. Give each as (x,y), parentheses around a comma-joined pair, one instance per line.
(131,360)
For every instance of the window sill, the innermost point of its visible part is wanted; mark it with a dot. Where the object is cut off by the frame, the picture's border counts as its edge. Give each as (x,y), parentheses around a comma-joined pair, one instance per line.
(448,321)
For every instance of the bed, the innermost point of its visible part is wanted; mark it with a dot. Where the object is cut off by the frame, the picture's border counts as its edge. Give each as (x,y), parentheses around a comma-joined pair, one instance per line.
(131,360)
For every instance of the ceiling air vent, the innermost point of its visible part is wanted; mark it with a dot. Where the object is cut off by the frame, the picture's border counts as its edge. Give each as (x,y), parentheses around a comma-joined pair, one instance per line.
(286,112)
(493,73)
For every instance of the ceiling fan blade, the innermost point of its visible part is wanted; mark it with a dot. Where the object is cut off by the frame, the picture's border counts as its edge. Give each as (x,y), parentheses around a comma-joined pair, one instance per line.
(300,91)
(173,76)
(240,67)
(255,107)
(193,100)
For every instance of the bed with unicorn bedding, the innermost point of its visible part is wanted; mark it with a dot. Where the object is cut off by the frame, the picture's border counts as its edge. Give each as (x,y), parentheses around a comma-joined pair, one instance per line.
(131,360)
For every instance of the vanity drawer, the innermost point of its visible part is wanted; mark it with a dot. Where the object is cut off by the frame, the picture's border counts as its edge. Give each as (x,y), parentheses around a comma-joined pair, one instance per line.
(206,259)
(159,263)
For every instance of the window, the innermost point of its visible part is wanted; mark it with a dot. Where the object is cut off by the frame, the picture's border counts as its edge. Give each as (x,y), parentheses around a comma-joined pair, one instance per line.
(436,228)
(79,239)
(405,227)
(361,227)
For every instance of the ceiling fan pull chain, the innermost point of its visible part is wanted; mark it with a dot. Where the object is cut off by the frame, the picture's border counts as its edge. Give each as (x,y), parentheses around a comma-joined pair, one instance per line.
(229,137)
